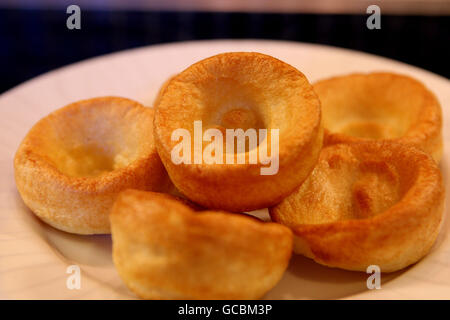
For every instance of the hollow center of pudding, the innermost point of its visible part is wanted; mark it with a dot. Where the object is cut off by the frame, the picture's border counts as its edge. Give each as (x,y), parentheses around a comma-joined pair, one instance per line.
(90,158)
(86,160)
(240,118)
(230,104)
(342,187)
(91,141)
(370,107)
(367,129)
(368,120)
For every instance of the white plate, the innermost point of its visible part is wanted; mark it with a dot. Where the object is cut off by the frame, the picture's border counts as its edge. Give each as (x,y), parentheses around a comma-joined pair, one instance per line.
(34,257)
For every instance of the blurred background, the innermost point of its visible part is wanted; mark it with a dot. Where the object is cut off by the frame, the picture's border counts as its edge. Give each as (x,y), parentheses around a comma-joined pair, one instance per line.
(34,37)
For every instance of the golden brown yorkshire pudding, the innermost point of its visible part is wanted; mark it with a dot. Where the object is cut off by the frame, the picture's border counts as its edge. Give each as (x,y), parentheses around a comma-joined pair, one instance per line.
(248,91)
(368,203)
(162,90)
(162,249)
(73,163)
(381,105)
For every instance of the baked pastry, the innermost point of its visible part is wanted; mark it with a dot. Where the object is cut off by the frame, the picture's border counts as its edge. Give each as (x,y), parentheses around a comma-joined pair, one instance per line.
(162,249)
(72,164)
(240,90)
(381,105)
(161,90)
(367,203)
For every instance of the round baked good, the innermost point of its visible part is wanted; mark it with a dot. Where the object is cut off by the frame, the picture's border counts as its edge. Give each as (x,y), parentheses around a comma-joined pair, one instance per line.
(163,249)
(367,203)
(72,164)
(382,106)
(240,90)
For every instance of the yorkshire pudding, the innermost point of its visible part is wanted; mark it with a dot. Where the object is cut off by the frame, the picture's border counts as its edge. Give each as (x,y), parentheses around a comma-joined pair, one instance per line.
(163,249)
(368,203)
(161,90)
(239,90)
(72,163)
(381,105)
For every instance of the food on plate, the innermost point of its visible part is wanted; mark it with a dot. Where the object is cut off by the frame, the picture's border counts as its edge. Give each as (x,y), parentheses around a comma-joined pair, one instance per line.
(227,92)
(72,164)
(366,203)
(163,249)
(381,106)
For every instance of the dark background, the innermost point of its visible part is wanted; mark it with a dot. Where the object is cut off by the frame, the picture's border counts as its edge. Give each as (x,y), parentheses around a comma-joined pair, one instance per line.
(34,41)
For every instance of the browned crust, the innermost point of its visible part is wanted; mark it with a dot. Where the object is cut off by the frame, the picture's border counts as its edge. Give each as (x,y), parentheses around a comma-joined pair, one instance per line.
(241,187)
(162,89)
(164,250)
(393,239)
(81,204)
(425,133)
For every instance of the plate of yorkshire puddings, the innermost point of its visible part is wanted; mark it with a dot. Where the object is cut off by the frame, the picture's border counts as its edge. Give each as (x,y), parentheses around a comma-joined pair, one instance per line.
(226,170)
